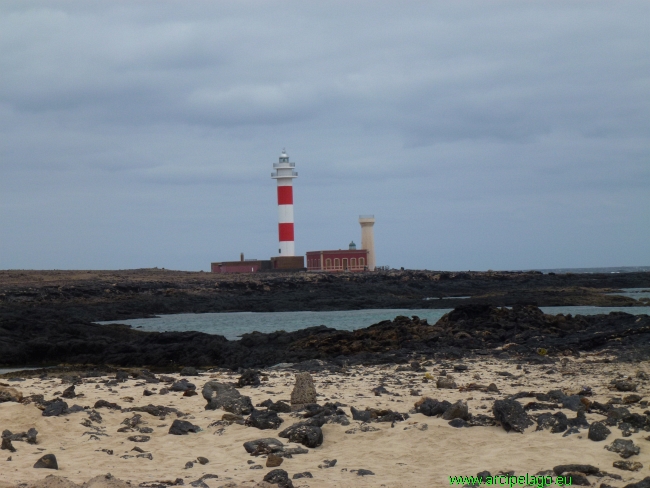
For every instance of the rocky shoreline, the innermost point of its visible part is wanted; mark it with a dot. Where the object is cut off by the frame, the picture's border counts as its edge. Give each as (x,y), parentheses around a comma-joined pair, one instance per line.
(48,318)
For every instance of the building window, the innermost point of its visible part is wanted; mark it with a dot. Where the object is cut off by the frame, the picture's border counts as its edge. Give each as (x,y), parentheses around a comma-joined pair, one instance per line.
(337,263)
(353,263)
(328,263)
(362,262)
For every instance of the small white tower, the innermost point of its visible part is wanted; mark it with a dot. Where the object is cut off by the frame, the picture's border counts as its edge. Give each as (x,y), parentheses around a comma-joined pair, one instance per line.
(368,238)
(285,174)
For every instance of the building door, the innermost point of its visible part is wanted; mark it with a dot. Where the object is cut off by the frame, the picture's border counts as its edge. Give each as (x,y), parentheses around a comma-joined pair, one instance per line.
(345,264)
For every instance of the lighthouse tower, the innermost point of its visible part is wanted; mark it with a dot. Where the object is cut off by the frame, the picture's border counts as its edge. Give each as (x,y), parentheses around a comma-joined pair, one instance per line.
(285,174)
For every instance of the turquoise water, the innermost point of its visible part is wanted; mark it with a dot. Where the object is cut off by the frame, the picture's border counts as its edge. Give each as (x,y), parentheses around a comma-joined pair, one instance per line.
(233,325)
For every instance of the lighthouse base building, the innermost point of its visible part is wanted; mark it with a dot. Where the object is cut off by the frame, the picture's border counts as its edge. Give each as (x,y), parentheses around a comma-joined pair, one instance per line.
(341,260)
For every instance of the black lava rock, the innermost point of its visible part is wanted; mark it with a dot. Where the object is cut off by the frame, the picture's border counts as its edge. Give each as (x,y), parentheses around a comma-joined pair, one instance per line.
(304,474)
(182,385)
(264,419)
(273,444)
(364,472)
(69,392)
(576,468)
(625,448)
(511,415)
(249,378)
(361,415)
(307,435)
(280,407)
(431,407)
(105,404)
(598,432)
(457,410)
(182,427)
(47,462)
(56,408)
(140,438)
(6,445)
(221,395)
(121,376)
(278,477)
(458,423)
(573,403)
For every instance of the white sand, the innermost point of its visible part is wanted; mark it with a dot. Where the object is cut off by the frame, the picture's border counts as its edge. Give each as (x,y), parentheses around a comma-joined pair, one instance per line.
(403,456)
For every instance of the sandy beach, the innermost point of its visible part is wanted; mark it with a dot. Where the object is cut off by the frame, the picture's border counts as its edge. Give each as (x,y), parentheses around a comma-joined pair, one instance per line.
(417,452)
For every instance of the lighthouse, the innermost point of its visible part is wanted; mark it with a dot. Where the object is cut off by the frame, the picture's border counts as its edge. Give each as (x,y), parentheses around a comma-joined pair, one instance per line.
(284,174)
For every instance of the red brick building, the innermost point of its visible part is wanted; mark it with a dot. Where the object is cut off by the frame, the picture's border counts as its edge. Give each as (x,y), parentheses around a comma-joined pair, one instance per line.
(342,260)
(248,266)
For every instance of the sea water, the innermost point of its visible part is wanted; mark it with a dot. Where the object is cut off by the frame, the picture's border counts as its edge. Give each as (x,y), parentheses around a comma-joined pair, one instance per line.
(233,324)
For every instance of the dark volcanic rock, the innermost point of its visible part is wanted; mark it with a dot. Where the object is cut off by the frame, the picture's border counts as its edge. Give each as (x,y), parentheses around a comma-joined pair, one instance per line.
(182,385)
(56,408)
(304,474)
(274,445)
(458,422)
(575,468)
(157,410)
(511,415)
(361,415)
(457,410)
(121,376)
(69,392)
(182,427)
(142,438)
(628,465)
(573,403)
(222,395)
(264,419)
(249,378)
(280,407)
(625,448)
(105,404)
(6,445)
(278,477)
(302,433)
(598,432)
(624,385)
(29,436)
(47,462)
(431,407)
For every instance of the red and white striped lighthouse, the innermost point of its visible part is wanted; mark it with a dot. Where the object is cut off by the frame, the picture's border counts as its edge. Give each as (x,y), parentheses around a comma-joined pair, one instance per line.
(285,174)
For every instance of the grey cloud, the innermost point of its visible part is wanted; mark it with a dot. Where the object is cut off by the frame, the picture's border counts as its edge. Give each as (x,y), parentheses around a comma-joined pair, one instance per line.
(479,130)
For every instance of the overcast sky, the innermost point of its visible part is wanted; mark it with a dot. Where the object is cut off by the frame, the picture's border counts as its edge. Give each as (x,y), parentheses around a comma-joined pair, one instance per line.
(481,135)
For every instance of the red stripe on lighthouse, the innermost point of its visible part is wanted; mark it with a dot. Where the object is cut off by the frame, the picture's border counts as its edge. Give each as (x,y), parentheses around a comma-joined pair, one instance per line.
(285,195)
(286,232)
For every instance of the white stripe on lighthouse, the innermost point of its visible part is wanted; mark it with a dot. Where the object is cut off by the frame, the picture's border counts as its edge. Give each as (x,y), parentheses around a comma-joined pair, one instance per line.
(285,214)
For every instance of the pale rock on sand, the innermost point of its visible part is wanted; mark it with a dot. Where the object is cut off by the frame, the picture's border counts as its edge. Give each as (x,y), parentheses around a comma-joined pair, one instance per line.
(8,394)
(304,391)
